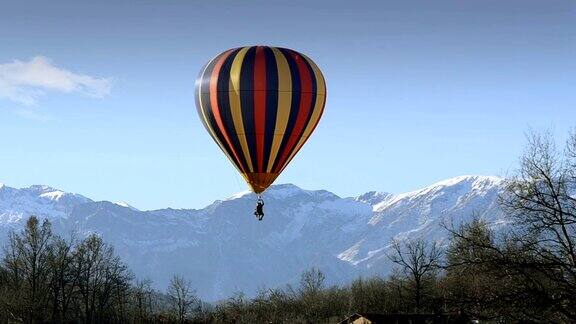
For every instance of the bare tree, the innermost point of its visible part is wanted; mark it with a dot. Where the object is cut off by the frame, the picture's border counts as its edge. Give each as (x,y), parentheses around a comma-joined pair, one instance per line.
(532,265)
(46,278)
(311,281)
(541,199)
(103,283)
(182,297)
(26,261)
(310,294)
(142,299)
(472,250)
(370,295)
(418,261)
(62,279)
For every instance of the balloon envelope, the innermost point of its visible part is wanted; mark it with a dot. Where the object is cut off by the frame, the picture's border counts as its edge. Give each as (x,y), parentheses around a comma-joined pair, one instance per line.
(260,104)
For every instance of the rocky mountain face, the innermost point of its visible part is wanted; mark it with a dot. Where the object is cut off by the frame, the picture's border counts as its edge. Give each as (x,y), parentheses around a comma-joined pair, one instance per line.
(222,248)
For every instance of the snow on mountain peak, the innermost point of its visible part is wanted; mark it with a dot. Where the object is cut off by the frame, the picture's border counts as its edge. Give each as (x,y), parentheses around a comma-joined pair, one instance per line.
(277,191)
(40,200)
(50,193)
(42,188)
(373,197)
(283,191)
(124,204)
(466,183)
(239,195)
(475,179)
(53,195)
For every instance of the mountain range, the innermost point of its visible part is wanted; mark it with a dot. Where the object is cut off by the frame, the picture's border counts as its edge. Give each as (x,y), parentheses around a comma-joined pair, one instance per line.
(223,249)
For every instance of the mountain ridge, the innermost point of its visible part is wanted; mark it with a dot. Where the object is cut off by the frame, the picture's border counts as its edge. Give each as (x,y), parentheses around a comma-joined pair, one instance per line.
(222,248)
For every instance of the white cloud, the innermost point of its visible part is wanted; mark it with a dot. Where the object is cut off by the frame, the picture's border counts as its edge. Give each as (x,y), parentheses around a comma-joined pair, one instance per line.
(23,82)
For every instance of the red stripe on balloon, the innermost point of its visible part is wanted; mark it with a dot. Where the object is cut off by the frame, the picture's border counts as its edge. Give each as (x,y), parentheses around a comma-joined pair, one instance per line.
(310,134)
(216,108)
(303,109)
(260,104)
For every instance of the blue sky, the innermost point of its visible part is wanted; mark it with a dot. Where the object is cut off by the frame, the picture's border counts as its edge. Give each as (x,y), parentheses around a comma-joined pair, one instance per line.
(98,98)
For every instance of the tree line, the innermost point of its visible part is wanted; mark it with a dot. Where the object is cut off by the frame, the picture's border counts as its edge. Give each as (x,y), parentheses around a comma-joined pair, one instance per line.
(45,278)
(526,273)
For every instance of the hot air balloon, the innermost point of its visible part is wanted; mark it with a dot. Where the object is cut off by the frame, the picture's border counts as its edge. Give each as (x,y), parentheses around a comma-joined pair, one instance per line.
(260,104)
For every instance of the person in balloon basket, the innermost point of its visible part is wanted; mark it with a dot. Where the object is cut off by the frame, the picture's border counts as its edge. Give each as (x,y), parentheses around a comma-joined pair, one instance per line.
(259,211)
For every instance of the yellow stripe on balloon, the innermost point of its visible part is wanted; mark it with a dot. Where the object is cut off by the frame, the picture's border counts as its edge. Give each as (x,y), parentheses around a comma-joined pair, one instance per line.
(235,104)
(284,103)
(316,113)
(320,82)
(207,121)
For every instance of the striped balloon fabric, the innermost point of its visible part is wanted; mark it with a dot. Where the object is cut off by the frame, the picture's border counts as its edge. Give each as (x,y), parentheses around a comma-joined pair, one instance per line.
(260,104)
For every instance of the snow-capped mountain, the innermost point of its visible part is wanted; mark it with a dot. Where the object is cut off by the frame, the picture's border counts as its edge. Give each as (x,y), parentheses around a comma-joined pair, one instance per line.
(222,248)
(42,201)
